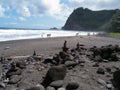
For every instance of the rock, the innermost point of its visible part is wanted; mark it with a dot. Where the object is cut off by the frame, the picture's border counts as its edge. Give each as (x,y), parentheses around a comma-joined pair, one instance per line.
(0,70)
(81,61)
(48,60)
(82,64)
(108,69)
(72,86)
(98,58)
(104,60)
(96,52)
(50,88)
(115,57)
(102,82)
(116,79)
(11,72)
(54,73)
(24,84)
(61,89)
(100,71)
(70,63)
(14,79)
(20,64)
(57,84)
(38,58)
(109,86)
(36,88)
(2,85)
(96,65)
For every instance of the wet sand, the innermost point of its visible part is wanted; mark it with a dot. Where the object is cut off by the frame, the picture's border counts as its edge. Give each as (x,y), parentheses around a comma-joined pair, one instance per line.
(50,46)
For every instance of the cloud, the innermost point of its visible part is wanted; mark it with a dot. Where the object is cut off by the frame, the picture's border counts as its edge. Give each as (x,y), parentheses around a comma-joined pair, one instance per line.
(27,8)
(57,9)
(21,18)
(2,10)
(95,4)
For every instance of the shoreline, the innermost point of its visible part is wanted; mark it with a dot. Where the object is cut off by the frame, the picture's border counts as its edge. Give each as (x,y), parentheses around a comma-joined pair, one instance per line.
(52,45)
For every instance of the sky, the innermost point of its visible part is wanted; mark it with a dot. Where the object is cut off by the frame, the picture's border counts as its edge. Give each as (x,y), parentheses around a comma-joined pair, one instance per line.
(45,14)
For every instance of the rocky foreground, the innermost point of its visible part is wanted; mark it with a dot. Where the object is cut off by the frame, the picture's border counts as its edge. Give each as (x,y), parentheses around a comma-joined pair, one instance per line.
(78,68)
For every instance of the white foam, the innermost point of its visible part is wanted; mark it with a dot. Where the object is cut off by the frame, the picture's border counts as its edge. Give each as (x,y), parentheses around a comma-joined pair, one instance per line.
(13,34)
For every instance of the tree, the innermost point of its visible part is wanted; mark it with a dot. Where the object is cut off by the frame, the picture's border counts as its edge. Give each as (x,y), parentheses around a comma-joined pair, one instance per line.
(115,22)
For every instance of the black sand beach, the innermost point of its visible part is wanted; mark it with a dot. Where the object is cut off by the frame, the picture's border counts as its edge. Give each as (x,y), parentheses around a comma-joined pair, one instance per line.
(50,46)
(79,70)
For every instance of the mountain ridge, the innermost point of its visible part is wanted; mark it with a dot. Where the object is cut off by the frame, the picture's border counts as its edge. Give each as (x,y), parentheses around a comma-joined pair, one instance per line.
(86,19)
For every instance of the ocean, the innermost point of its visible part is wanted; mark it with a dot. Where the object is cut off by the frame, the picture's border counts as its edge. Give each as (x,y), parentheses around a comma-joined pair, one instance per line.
(16,34)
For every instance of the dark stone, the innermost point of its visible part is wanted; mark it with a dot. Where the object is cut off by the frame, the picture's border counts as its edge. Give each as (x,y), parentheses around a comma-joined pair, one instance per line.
(78,46)
(65,49)
(96,65)
(34,53)
(96,52)
(36,88)
(63,55)
(72,86)
(70,63)
(114,57)
(108,70)
(13,71)
(54,73)
(14,79)
(98,58)
(116,79)
(57,84)
(48,60)
(20,64)
(100,71)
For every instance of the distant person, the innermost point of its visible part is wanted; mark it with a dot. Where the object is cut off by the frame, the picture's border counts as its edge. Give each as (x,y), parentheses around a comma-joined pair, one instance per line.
(48,35)
(88,34)
(77,34)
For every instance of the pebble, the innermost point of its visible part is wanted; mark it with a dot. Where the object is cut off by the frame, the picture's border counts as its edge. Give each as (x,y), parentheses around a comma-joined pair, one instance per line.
(50,88)
(72,85)
(61,89)
(100,71)
(57,84)
(109,86)
(102,82)
(70,63)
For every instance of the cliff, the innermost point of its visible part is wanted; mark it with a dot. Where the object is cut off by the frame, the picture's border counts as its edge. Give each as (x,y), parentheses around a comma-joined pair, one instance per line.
(86,19)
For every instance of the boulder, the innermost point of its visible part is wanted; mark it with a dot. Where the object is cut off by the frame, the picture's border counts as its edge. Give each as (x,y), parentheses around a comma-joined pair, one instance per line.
(14,71)
(14,79)
(54,73)
(100,71)
(116,79)
(72,86)
(20,64)
(115,57)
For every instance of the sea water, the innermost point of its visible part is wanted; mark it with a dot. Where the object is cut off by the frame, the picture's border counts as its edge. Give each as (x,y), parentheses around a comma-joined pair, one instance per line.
(16,34)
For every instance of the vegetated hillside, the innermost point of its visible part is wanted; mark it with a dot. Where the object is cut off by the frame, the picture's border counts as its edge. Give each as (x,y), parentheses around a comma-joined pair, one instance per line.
(86,19)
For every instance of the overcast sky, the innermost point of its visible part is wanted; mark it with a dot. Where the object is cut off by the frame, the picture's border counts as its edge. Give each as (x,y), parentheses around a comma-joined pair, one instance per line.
(45,14)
